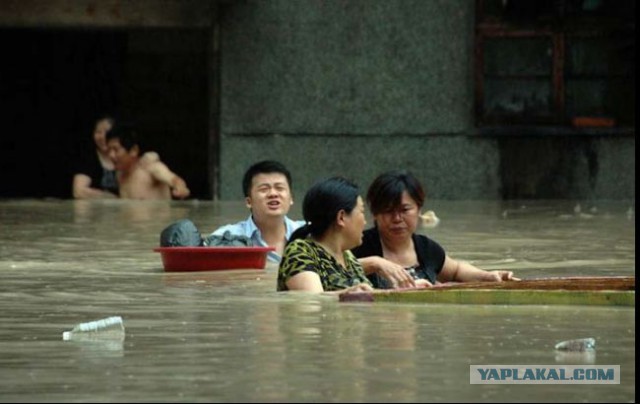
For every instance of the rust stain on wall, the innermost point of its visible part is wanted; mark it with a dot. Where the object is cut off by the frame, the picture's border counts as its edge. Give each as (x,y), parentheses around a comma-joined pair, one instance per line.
(91,10)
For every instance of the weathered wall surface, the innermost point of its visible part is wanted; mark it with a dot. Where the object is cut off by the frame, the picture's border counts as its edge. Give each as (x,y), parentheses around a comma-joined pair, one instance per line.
(567,167)
(434,159)
(358,87)
(347,67)
(106,13)
(381,77)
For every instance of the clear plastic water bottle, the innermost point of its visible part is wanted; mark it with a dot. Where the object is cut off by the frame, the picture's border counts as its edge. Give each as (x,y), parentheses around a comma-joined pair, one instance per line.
(107,328)
(577,345)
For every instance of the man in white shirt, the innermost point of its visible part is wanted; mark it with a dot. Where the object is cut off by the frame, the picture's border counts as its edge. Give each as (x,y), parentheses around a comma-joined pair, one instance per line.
(267,190)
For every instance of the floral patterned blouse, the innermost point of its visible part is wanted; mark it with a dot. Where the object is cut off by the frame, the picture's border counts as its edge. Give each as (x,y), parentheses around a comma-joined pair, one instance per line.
(307,255)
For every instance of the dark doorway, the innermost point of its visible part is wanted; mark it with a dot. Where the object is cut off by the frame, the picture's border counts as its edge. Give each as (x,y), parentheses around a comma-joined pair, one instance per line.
(54,82)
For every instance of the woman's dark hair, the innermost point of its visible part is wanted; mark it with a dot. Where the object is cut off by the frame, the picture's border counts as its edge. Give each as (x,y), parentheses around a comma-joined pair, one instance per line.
(88,127)
(104,117)
(385,192)
(322,203)
(264,167)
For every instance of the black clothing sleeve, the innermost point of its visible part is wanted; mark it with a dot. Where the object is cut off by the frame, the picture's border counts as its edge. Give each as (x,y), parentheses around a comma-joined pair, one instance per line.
(430,254)
(89,165)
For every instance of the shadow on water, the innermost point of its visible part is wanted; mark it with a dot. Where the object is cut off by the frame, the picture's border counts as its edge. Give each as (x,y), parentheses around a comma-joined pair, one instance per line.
(228,336)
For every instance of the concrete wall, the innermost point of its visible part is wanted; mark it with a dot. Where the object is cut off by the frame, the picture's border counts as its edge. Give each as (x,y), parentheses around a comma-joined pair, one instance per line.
(350,87)
(359,87)
(347,67)
(435,159)
(567,166)
(354,87)
(106,13)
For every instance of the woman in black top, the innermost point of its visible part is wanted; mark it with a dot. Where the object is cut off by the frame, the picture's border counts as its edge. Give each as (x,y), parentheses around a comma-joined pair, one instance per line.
(95,176)
(393,255)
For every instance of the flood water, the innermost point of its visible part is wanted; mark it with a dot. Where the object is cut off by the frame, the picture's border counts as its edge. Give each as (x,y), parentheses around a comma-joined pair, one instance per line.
(228,336)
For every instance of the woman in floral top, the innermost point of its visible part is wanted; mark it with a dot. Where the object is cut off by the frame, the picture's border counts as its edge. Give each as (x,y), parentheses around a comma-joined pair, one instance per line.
(317,258)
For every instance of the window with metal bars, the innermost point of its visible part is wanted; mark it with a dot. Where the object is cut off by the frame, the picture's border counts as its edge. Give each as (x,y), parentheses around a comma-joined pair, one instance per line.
(555,62)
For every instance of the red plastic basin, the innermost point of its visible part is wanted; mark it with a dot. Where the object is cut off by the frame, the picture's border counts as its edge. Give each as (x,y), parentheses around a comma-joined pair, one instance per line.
(213,258)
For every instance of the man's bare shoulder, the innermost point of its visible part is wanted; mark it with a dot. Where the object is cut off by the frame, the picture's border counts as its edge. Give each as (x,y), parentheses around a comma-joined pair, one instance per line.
(151,163)
(149,158)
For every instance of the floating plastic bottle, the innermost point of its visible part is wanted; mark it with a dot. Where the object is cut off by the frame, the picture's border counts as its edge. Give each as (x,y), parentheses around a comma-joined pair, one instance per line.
(577,345)
(106,328)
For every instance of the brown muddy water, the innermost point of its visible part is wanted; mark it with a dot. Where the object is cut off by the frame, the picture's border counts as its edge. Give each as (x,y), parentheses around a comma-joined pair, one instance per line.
(228,336)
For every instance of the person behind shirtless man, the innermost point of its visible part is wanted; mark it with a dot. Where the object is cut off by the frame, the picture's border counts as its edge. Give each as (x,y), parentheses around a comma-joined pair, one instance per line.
(141,177)
(95,176)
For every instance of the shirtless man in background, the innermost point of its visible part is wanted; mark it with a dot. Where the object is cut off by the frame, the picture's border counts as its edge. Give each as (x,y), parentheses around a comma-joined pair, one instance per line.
(141,177)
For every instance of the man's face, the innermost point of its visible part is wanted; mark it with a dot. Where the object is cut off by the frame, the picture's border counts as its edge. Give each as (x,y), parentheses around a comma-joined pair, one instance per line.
(269,195)
(123,159)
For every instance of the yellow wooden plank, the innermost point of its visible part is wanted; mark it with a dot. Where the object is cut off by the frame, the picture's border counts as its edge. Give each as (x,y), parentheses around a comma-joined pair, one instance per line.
(501,296)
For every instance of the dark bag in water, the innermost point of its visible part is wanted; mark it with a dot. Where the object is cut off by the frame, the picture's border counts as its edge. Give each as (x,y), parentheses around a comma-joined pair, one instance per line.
(227,240)
(182,233)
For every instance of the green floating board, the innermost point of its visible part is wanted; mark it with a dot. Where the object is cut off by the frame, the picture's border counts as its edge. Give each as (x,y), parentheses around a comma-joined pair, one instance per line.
(552,291)
(480,296)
